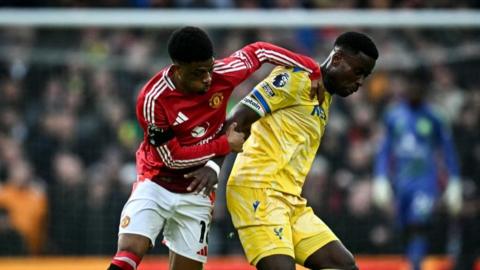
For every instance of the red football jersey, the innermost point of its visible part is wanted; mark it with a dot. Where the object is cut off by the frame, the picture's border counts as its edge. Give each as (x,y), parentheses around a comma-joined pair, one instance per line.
(197,119)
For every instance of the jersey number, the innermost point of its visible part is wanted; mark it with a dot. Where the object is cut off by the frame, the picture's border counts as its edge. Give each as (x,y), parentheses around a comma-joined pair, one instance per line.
(203,237)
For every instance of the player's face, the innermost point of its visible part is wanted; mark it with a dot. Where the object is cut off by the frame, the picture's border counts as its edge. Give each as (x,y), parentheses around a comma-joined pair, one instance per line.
(347,72)
(196,77)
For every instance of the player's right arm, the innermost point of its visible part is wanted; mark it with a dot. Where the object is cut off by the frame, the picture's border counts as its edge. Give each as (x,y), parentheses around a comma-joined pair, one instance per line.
(159,135)
(383,154)
(177,156)
(244,116)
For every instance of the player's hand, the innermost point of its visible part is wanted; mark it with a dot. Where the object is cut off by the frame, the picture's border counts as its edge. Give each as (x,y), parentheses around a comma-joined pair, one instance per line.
(453,196)
(382,193)
(235,139)
(317,90)
(204,180)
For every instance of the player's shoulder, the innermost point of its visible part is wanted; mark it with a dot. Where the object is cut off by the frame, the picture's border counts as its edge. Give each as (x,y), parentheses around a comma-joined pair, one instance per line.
(435,113)
(235,62)
(282,76)
(395,110)
(159,86)
(292,71)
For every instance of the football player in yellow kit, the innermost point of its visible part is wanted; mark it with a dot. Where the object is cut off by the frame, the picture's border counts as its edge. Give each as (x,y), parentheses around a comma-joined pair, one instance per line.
(285,125)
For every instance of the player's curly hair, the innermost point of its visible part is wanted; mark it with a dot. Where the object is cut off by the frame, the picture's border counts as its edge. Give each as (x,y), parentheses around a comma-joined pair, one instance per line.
(356,42)
(190,44)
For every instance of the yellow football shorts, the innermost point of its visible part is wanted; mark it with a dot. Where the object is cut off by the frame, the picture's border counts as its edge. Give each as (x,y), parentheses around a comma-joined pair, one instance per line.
(270,222)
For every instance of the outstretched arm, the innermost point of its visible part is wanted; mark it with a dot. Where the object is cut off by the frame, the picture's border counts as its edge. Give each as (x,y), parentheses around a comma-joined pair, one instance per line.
(177,156)
(264,52)
(244,62)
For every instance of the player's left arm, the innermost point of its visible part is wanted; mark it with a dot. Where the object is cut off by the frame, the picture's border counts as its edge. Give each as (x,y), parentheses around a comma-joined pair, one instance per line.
(244,116)
(453,192)
(448,148)
(264,52)
(244,62)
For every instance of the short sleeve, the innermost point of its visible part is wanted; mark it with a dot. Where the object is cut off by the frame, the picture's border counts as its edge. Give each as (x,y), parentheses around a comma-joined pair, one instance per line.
(281,89)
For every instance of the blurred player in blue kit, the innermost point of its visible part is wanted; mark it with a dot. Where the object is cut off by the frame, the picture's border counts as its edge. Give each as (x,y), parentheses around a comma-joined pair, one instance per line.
(407,167)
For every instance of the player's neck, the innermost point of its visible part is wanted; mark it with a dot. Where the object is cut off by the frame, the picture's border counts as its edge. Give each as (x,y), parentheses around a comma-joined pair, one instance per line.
(177,82)
(415,104)
(325,83)
(323,69)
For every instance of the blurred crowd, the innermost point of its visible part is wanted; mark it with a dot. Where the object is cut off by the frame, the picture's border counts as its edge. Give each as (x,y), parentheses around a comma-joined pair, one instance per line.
(248,4)
(68,132)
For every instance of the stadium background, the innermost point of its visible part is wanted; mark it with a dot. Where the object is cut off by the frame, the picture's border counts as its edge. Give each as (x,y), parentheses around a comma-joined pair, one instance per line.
(68,133)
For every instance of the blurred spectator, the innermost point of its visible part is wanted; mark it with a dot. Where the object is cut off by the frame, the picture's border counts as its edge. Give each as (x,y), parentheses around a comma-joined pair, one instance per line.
(25,200)
(446,94)
(315,187)
(55,132)
(367,228)
(11,242)
(108,188)
(68,207)
(466,132)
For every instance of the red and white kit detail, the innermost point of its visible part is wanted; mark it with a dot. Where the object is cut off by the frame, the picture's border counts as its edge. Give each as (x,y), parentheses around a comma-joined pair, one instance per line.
(184,217)
(197,119)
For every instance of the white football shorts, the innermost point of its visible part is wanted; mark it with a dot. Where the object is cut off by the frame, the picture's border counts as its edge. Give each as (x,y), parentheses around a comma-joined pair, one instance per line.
(184,217)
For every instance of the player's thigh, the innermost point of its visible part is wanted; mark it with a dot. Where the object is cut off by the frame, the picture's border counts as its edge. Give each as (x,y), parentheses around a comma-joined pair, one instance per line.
(333,255)
(144,214)
(309,232)
(421,207)
(141,221)
(277,262)
(261,218)
(179,262)
(186,231)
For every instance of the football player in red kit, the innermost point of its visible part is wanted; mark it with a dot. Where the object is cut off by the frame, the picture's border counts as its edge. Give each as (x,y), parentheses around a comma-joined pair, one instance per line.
(182,111)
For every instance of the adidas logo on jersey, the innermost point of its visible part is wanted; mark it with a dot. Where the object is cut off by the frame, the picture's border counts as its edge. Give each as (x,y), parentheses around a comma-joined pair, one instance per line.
(203,251)
(180,119)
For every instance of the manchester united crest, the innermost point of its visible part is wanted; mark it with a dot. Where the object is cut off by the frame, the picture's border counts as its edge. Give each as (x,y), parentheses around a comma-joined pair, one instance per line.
(216,100)
(125,221)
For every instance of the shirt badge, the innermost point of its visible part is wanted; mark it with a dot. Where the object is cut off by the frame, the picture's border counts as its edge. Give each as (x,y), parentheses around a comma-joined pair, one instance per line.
(216,100)
(125,222)
(280,80)
(200,131)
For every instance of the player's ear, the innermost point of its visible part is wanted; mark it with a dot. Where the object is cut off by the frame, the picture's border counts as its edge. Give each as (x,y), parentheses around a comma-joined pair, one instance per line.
(178,70)
(337,58)
(175,67)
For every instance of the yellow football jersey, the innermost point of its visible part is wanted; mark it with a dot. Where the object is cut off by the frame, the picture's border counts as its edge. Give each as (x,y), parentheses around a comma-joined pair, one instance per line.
(283,142)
